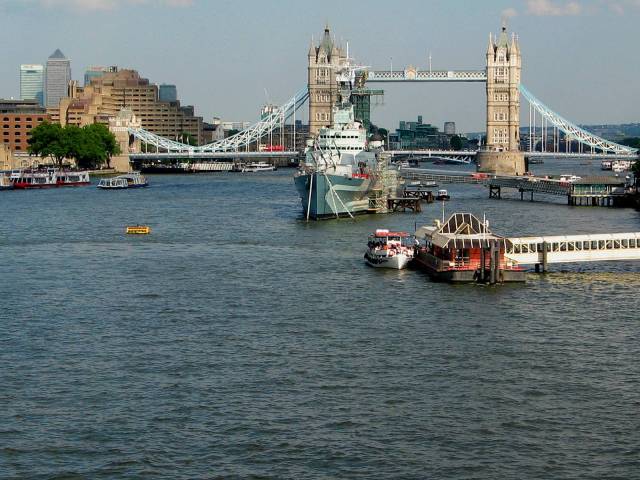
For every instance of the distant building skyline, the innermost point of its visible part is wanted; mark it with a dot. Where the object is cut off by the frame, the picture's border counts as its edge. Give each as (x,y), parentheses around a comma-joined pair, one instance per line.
(32,82)
(57,78)
(218,57)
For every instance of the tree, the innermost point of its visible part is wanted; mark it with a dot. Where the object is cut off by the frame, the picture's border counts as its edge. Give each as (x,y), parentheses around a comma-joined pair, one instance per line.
(49,140)
(90,146)
(456,142)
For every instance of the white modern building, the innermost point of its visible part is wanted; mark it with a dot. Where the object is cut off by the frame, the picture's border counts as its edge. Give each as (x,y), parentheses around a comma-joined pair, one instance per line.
(32,83)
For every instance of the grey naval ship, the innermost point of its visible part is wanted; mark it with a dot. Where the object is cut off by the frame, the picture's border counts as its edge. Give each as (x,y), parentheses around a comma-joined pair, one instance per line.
(344,172)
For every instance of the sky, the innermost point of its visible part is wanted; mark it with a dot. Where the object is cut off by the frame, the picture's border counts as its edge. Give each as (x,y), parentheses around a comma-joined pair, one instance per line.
(228,57)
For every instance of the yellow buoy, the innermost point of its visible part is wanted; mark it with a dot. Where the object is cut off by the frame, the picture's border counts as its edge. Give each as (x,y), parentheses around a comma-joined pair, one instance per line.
(139,230)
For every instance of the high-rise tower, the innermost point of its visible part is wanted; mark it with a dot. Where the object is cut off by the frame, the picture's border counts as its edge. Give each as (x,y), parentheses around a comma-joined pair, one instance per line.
(32,83)
(57,78)
(324,61)
(502,151)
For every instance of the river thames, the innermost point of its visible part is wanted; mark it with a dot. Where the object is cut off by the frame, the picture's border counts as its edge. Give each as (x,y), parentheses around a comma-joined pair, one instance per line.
(238,341)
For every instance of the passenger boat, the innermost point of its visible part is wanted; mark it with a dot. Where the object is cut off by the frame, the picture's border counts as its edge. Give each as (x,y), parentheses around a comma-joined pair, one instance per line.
(258,167)
(387,249)
(128,180)
(48,178)
(344,172)
(5,182)
(443,195)
(463,249)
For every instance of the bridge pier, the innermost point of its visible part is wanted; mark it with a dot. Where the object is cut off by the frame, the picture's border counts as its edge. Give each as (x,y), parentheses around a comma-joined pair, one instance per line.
(501,163)
(495,191)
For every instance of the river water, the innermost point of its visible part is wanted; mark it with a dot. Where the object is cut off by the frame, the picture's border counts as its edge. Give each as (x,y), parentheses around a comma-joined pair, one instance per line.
(238,341)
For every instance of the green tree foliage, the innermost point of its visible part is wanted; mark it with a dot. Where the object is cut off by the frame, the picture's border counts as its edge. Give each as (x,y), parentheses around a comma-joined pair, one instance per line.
(456,142)
(49,140)
(90,146)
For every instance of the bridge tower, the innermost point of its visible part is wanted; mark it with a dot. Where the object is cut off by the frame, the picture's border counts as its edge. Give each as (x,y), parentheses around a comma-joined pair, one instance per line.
(501,153)
(324,60)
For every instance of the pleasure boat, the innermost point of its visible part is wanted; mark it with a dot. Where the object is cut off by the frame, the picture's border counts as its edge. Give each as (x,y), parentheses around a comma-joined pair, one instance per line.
(442,195)
(387,249)
(128,180)
(258,167)
(48,178)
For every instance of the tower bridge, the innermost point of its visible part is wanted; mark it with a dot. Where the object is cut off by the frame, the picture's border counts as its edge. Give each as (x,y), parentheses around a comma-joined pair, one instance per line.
(504,92)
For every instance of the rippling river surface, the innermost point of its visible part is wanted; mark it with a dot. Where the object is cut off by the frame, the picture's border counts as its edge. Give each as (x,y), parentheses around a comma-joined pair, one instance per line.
(238,341)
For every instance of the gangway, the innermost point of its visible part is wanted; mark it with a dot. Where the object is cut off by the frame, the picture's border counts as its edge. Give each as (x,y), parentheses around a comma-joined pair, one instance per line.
(573,248)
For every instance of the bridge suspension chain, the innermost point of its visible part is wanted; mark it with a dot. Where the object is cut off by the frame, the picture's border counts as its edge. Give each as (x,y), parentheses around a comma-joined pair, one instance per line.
(573,131)
(237,142)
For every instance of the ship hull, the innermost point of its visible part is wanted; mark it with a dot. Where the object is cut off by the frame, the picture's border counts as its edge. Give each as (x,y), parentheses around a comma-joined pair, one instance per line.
(326,196)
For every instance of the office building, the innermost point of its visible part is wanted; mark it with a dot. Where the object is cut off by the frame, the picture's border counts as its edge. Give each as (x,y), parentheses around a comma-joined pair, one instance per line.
(96,72)
(17,119)
(57,78)
(32,83)
(105,96)
(168,93)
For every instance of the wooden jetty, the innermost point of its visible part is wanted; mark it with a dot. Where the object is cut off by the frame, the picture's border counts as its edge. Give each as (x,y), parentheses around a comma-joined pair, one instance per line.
(396,204)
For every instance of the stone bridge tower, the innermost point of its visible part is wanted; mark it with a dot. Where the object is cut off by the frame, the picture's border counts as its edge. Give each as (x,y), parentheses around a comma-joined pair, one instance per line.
(323,61)
(501,153)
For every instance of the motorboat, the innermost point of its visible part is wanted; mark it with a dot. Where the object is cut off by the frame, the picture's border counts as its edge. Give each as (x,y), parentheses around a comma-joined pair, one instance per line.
(258,167)
(128,180)
(442,195)
(387,249)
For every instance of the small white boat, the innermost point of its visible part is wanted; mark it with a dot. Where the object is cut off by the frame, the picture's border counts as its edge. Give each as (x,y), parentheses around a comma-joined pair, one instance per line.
(442,195)
(258,167)
(387,249)
(128,180)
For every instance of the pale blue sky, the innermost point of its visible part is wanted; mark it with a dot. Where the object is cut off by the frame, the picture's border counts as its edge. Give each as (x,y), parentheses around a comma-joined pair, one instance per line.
(580,57)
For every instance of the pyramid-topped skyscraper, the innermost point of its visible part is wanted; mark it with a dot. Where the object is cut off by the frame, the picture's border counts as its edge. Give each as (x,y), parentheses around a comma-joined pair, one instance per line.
(57,78)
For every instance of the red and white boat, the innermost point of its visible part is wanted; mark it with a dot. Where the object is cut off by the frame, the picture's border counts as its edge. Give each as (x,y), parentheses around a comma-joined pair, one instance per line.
(51,177)
(389,249)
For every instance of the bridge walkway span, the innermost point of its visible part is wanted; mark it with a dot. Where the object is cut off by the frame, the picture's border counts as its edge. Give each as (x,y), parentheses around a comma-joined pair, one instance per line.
(574,248)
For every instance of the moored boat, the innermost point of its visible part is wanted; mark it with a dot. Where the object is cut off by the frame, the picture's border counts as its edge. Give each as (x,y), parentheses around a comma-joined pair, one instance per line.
(49,178)
(258,167)
(442,195)
(387,249)
(344,172)
(463,249)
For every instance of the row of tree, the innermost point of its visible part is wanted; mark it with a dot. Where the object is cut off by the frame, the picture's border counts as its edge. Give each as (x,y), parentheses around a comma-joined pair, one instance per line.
(91,146)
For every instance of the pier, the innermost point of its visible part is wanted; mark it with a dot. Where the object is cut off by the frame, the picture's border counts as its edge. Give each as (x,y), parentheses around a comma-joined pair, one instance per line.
(541,251)
(396,204)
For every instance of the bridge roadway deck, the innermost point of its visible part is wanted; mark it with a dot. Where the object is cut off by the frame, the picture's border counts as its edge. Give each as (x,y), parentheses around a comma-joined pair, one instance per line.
(209,155)
(574,248)
(473,153)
